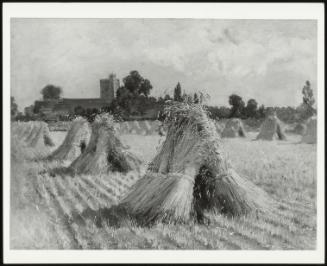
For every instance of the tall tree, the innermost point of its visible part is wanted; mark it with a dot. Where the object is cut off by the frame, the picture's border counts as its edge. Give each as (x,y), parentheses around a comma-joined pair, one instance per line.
(79,110)
(167,97)
(251,108)
(237,105)
(196,98)
(51,92)
(308,94)
(178,93)
(13,107)
(261,111)
(136,84)
(145,88)
(306,109)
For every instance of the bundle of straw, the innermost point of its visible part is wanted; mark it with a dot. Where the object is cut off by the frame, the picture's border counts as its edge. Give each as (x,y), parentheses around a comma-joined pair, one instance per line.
(310,134)
(39,136)
(233,128)
(104,152)
(77,137)
(271,129)
(171,189)
(161,197)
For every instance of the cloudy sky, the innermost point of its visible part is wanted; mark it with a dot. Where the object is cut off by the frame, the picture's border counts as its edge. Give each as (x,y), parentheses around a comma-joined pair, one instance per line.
(268,60)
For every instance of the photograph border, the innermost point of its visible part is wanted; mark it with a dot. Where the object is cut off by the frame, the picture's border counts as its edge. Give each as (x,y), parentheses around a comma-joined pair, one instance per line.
(166,10)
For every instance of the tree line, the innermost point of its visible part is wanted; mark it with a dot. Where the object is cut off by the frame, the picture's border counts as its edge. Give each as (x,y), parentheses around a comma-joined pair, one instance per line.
(133,98)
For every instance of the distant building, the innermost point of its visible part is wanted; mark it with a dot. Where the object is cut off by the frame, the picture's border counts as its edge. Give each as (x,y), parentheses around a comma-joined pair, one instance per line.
(108,87)
(67,106)
(29,110)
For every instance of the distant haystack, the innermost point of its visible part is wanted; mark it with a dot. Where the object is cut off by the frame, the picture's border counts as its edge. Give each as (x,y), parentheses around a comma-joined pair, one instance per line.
(155,125)
(189,175)
(27,130)
(219,127)
(299,128)
(233,129)
(39,136)
(124,127)
(146,127)
(135,128)
(310,135)
(21,129)
(104,152)
(271,129)
(17,150)
(142,127)
(77,139)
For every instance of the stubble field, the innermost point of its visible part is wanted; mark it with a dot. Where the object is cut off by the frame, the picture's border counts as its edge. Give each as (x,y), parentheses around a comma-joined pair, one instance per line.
(64,212)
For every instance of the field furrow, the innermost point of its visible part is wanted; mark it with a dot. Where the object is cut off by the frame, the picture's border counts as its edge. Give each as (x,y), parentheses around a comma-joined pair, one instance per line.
(78,215)
(278,237)
(63,212)
(109,187)
(76,220)
(183,237)
(246,237)
(120,181)
(107,197)
(82,197)
(60,219)
(90,194)
(62,240)
(76,204)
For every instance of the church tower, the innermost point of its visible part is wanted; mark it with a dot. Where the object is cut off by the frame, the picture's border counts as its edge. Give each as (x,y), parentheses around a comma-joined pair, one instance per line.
(108,87)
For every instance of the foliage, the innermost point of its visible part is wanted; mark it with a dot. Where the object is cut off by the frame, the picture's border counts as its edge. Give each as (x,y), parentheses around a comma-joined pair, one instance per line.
(261,111)
(13,107)
(308,94)
(217,113)
(196,98)
(133,96)
(51,92)
(79,110)
(237,104)
(178,93)
(306,109)
(136,85)
(167,98)
(251,108)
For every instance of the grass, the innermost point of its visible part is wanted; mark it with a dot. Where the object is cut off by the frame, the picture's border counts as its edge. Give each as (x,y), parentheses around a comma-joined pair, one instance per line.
(62,212)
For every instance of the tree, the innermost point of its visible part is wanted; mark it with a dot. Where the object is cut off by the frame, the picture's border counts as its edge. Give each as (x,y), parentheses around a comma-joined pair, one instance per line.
(167,97)
(133,96)
(124,98)
(160,100)
(79,110)
(13,107)
(178,93)
(217,113)
(202,98)
(145,88)
(136,84)
(51,92)
(251,108)
(261,111)
(308,94)
(237,105)
(196,98)
(306,109)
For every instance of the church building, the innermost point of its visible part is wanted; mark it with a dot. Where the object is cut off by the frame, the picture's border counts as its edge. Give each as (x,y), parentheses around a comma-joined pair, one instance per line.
(67,106)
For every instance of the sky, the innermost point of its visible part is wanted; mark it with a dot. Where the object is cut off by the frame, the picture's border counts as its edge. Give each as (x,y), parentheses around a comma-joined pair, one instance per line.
(268,60)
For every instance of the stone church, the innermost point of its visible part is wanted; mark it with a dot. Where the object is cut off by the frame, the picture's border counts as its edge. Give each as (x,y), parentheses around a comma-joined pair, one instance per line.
(67,106)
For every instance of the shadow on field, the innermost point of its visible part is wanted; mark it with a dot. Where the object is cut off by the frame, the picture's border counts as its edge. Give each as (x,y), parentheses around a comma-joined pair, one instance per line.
(62,171)
(113,216)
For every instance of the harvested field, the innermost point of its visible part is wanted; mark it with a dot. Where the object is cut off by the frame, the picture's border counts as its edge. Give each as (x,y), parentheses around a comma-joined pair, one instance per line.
(64,212)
